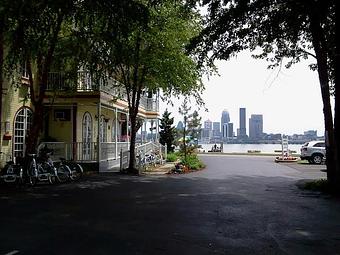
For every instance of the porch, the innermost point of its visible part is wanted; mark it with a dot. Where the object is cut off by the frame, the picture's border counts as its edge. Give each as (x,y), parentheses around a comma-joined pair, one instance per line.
(110,156)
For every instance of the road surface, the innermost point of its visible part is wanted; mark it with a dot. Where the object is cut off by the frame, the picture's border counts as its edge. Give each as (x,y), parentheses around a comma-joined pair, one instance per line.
(237,205)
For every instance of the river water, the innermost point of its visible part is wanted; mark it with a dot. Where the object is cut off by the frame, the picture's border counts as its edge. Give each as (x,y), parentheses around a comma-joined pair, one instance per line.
(244,148)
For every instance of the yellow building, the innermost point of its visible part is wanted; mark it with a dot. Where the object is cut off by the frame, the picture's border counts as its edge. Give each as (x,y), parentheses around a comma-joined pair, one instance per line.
(84,121)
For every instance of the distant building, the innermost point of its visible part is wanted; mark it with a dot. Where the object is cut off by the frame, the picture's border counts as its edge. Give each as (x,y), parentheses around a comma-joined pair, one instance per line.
(216,132)
(230,133)
(243,129)
(208,124)
(256,126)
(207,130)
(225,118)
(311,134)
(180,125)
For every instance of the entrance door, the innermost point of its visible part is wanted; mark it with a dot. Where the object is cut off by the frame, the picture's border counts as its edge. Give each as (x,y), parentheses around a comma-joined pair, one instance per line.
(22,123)
(87,136)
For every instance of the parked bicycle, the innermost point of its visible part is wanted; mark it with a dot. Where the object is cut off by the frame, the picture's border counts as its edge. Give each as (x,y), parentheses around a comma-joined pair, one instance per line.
(76,170)
(42,169)
(12,171)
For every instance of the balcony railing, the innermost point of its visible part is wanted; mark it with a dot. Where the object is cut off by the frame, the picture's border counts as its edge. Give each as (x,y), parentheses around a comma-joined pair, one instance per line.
(84,82)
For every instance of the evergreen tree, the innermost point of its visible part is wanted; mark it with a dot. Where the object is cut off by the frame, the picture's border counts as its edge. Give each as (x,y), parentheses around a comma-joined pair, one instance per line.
(184,110)
(195,126)
(167,132)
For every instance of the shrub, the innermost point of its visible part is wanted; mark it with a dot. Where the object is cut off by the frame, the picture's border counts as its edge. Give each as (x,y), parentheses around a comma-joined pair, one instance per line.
(171,157)
(193,162)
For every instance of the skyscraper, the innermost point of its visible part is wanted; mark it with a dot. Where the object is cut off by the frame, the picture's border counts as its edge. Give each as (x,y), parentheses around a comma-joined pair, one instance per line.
(216,129)
(224,124)
(208,124)
(256,126)
(224,119)
(230,130)
(207,130)
(243,129)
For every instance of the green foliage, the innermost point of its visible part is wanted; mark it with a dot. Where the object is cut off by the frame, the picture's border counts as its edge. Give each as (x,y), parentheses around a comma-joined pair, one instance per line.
(167,131)
(194,126)
(171,157)
(193,162)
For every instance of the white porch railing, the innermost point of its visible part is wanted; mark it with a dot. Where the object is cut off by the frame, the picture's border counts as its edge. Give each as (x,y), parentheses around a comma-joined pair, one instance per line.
(110,151)
(85,152)
(78,151)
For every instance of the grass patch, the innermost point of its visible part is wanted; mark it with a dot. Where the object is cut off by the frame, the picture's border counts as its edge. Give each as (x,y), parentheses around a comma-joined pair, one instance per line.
(321,185)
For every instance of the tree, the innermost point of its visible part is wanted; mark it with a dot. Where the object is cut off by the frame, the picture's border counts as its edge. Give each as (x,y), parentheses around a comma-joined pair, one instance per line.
(184,111)
(167,131)
(57,34)
(194,126)
(281,29)
(150,56)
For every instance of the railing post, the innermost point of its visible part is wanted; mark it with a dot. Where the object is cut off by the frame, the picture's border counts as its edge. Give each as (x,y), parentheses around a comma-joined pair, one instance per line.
(99,133)
(121,160)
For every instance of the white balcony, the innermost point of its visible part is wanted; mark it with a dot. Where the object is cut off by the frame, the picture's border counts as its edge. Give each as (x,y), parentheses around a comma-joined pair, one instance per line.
(58,81)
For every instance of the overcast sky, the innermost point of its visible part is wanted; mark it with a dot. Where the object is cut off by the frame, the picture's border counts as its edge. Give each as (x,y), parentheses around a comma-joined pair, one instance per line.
(290,100)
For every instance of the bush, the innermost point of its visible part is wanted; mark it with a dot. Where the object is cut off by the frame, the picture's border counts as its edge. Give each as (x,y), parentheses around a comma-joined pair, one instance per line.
(171,157)
(193,162)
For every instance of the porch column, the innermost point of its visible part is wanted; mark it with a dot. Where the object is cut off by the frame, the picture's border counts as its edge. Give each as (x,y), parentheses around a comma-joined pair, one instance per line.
(146,132)
(99,133)
(127,130)
(157,129)
(116,131)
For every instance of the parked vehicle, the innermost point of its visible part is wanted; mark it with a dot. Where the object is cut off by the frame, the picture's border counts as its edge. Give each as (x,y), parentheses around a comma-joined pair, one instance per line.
(314,152)
(76,170)
(12,172)
(42,169)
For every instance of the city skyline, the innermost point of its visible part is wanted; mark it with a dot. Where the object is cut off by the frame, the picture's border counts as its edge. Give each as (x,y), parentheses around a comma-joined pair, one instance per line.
(289,99)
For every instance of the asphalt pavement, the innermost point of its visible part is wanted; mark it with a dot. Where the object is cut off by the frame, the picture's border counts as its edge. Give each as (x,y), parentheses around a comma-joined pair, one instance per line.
(237,205)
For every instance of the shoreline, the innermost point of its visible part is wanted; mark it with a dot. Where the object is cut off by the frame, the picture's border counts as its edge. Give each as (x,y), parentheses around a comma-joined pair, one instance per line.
(245,154)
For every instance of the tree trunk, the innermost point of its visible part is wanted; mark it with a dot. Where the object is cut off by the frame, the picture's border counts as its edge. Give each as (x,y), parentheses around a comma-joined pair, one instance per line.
(337,91)
(132,162)
(1,68)
(321,56)
(34,132)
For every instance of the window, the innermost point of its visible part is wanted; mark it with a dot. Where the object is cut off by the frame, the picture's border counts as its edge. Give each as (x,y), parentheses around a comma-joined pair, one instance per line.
(22,123)
(87,136)
(319,145)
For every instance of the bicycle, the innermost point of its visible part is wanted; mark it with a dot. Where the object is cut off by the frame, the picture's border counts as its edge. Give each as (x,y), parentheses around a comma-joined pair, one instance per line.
(76,170)
(12,172)
(42,169)
(61,173)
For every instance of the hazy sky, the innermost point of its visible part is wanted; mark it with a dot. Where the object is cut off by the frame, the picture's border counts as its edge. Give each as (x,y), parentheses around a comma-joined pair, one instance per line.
(290,99)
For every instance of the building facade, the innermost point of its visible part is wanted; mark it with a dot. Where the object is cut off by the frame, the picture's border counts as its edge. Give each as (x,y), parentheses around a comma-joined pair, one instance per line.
(242,130)
(85,121)
(256,126)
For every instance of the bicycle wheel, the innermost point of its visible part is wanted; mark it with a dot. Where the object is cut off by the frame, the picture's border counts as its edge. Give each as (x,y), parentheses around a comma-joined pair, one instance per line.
(63,173)
(76,171)
(32,174)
